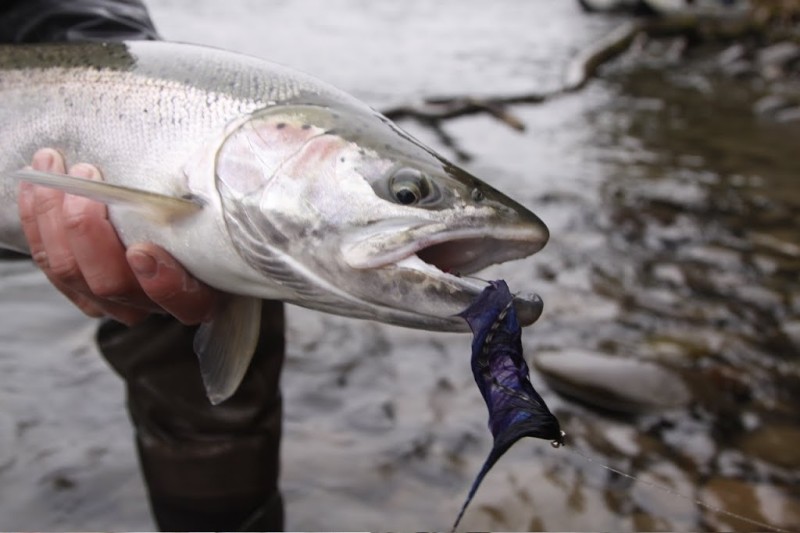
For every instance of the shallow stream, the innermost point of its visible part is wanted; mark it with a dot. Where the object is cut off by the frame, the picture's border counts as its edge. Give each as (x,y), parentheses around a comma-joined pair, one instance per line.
(670,343)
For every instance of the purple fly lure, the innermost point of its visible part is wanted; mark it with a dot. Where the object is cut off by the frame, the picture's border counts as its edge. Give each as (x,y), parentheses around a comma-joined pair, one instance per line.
(515,409)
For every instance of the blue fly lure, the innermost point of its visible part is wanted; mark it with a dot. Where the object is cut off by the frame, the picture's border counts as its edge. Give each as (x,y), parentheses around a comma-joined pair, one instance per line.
(515,409)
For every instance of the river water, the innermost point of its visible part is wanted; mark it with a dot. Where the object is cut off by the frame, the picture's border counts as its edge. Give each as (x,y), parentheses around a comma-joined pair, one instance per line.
(669,343)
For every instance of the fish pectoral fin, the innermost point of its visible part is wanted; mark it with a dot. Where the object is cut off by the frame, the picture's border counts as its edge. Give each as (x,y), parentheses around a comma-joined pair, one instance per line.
(160,207)
(225,345)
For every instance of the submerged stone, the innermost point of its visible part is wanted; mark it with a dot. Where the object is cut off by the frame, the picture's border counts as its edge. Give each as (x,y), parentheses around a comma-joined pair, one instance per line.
(614,383)
(775,444)
(767,506)
(790,114)
(780,55)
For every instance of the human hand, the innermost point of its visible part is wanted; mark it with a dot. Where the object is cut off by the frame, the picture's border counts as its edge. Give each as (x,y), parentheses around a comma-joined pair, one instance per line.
(72,241)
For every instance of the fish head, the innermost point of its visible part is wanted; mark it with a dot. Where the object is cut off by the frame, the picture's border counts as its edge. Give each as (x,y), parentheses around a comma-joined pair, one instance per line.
(351,215)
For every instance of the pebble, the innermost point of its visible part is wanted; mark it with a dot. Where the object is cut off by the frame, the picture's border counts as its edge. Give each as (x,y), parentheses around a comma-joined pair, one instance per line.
(764,503)
(734,62)
(759,296)
(780,55)
(732,54)
(713,255)
(669,273)
(791,114)
(769,105)
(654,503)
(792,330)
(695,343)
(775,444)
(372,416)
(774,243)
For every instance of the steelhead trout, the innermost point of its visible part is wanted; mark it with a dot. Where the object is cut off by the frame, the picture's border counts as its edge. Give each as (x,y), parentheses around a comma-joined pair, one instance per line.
(263,182)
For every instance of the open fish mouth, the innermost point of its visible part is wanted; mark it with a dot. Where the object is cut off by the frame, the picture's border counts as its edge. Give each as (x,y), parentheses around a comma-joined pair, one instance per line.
(462,257)
(469,255)
(452,251)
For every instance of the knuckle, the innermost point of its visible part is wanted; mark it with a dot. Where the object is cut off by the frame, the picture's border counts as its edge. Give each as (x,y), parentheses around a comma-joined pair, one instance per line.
(64,268)
(164,287)
(166,297)
(46,203)
(27,214)
(41,260)
(77,223)
(116,288)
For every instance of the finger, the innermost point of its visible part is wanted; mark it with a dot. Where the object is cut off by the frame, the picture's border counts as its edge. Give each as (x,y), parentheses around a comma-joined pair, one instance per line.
(88,306)
(169,285)
(97,250)
(97,308)
(46,160)
(57,259)
(27,217)
(66,277)
(125,314)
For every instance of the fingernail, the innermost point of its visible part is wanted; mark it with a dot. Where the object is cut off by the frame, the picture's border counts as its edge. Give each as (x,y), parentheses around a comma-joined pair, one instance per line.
(44,159)
(83,170)
(143,264)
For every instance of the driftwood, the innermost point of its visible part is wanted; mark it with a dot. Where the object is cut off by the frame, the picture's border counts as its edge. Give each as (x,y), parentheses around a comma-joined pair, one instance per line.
(433,111)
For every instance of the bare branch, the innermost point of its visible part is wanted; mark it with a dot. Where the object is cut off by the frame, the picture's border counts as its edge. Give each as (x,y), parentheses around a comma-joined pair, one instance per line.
(433,111)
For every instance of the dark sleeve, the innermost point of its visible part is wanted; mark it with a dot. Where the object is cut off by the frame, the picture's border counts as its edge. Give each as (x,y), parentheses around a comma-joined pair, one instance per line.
(28,21)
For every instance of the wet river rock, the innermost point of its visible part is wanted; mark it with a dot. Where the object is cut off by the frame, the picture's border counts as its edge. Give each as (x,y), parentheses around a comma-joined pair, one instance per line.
(775,444)
(763,502)
(617,384)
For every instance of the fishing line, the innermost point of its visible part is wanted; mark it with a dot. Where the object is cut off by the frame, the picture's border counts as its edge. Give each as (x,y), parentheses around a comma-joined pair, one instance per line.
(672,492)
(470,276)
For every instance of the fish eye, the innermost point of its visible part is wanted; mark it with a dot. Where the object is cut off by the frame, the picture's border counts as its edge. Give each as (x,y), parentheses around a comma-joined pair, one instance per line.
(409,186)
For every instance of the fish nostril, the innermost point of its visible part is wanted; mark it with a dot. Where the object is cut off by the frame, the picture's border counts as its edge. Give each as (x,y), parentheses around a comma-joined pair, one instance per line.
(477,195)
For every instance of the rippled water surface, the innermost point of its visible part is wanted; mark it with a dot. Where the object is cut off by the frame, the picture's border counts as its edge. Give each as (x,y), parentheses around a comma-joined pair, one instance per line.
(669,343)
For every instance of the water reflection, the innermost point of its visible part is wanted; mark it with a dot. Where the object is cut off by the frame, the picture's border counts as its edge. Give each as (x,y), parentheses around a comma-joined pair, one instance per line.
(700,223)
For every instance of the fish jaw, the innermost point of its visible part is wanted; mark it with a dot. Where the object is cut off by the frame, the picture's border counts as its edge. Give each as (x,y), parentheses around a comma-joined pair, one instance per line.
(434,259)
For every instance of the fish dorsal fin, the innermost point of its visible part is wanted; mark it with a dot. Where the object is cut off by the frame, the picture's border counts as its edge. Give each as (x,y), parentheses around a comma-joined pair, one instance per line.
(226,344)
(160,207)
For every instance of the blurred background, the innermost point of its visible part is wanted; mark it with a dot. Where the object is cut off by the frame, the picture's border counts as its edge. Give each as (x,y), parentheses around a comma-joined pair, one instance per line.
(670,343)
